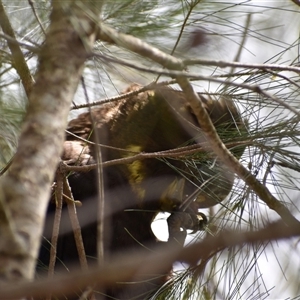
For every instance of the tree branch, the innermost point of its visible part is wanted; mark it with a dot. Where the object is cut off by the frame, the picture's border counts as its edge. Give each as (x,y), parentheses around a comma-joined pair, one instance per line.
(224,64)
(18,58)
(172,73)
(126,266)
(25,188)
(136,45)
(229,159)
(108,34)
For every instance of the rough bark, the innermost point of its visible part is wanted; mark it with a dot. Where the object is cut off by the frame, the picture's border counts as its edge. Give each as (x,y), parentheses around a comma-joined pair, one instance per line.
(24,190)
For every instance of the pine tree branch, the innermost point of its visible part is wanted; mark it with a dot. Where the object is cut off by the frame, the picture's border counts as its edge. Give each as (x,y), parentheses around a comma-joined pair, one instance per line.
(19,62)
(125,267)
(229,159)
(225,64)
(31,3)
(24,45)
(183,74)
(106,33)
(109,34)
(181,152)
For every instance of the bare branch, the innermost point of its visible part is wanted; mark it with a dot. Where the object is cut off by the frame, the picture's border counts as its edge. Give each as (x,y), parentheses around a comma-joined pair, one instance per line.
(224,64)
(254,88)
(136,45)
(16,42)
(242,44)
(177,152)
(56,224)
(31,3)
(147,87)
(75,225)
(123,268)
(17,55)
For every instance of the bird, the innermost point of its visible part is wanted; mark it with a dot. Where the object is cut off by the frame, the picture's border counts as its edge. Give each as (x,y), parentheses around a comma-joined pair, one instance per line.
(156,158)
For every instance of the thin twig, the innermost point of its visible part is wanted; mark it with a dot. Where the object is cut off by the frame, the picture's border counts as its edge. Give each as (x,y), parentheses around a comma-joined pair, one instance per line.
(56,225)
(100,187)
(145,88)
(16,42)
(242,44)
(31,3)
(173,153)
(136,45)
(77,235)
(254,88)
(6,167)
(228,158)
(181,31)
(285,165)
(116,98)
(224,64)
(75,226)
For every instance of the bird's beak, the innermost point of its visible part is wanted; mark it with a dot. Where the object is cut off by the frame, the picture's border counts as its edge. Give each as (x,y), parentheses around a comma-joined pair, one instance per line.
(173,195)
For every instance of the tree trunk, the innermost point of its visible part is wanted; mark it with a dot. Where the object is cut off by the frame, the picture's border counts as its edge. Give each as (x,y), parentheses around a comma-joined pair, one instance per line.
(24,191)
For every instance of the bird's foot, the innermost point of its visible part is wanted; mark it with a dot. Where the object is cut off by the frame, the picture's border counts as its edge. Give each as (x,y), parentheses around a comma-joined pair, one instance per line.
(179,222)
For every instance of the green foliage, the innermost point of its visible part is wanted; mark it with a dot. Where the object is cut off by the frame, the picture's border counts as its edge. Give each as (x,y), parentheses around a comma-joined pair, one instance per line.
(269,36)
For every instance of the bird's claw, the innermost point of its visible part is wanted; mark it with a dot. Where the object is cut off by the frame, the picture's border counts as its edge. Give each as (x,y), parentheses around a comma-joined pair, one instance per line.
(179,222)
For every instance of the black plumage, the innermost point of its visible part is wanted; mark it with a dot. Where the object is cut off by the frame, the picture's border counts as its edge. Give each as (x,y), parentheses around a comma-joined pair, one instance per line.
(150,122)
